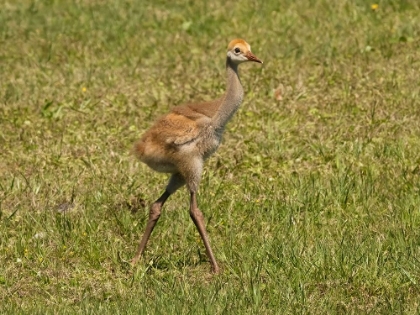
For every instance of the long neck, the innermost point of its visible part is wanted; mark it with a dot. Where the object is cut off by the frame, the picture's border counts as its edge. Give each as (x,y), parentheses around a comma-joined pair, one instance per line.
(232,99)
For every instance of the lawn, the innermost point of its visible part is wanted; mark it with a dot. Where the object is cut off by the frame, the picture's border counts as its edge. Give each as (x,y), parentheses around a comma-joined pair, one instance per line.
(312,202)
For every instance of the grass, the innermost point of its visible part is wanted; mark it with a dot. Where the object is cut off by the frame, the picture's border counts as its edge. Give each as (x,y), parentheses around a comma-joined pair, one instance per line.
(312,202)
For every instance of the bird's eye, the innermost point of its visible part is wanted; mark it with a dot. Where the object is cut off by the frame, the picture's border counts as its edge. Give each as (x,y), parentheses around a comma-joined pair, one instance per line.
(237,50)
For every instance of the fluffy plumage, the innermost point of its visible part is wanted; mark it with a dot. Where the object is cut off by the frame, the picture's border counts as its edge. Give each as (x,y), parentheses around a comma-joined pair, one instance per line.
(180,142)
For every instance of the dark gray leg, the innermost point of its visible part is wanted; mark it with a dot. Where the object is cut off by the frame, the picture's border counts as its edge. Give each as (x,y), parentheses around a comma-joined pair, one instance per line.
(198,219)
(176,181)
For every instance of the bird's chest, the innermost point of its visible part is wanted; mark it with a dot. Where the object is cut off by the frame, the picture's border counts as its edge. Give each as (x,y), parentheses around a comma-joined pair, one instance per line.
(211,141)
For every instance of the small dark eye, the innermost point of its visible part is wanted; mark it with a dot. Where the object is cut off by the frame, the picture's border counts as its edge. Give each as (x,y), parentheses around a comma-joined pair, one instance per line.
(237,50)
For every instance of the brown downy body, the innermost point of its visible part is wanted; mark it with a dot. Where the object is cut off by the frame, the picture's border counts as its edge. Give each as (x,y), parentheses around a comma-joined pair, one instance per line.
(195,129)
(180,142)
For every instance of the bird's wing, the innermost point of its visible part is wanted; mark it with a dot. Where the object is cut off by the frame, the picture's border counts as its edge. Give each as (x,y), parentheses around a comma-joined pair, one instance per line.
(183,124)
(177,129)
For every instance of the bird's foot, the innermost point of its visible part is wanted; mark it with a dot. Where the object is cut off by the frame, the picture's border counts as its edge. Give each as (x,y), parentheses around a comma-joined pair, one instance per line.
(134,261)
(215,269)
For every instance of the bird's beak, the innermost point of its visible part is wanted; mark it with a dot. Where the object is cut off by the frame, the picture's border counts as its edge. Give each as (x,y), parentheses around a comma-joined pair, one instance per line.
(252,57)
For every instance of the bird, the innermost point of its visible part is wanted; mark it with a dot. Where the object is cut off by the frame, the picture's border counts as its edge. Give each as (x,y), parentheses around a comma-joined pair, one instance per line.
(181,141)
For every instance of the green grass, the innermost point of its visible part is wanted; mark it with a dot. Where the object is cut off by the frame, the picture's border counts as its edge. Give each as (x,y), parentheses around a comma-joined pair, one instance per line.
(312,202)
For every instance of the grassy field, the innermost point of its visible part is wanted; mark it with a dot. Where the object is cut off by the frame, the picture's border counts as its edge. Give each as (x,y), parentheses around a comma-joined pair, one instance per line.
(312,202)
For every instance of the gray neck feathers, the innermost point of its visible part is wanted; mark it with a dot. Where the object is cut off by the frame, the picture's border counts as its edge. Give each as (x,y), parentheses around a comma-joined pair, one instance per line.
(232,99)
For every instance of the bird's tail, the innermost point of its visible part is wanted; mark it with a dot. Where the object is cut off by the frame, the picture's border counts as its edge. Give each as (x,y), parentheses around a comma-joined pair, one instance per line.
(138,149)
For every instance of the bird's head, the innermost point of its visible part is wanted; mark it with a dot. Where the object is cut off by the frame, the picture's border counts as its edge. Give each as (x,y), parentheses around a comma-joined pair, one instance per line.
(240,51)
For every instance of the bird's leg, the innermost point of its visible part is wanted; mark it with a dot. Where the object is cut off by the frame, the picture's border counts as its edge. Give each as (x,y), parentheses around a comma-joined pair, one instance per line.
(175,182)
(154,214)
(198,219)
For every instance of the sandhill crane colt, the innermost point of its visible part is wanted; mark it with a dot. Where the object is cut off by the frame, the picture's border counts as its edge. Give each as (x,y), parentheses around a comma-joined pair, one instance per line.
(179,143)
